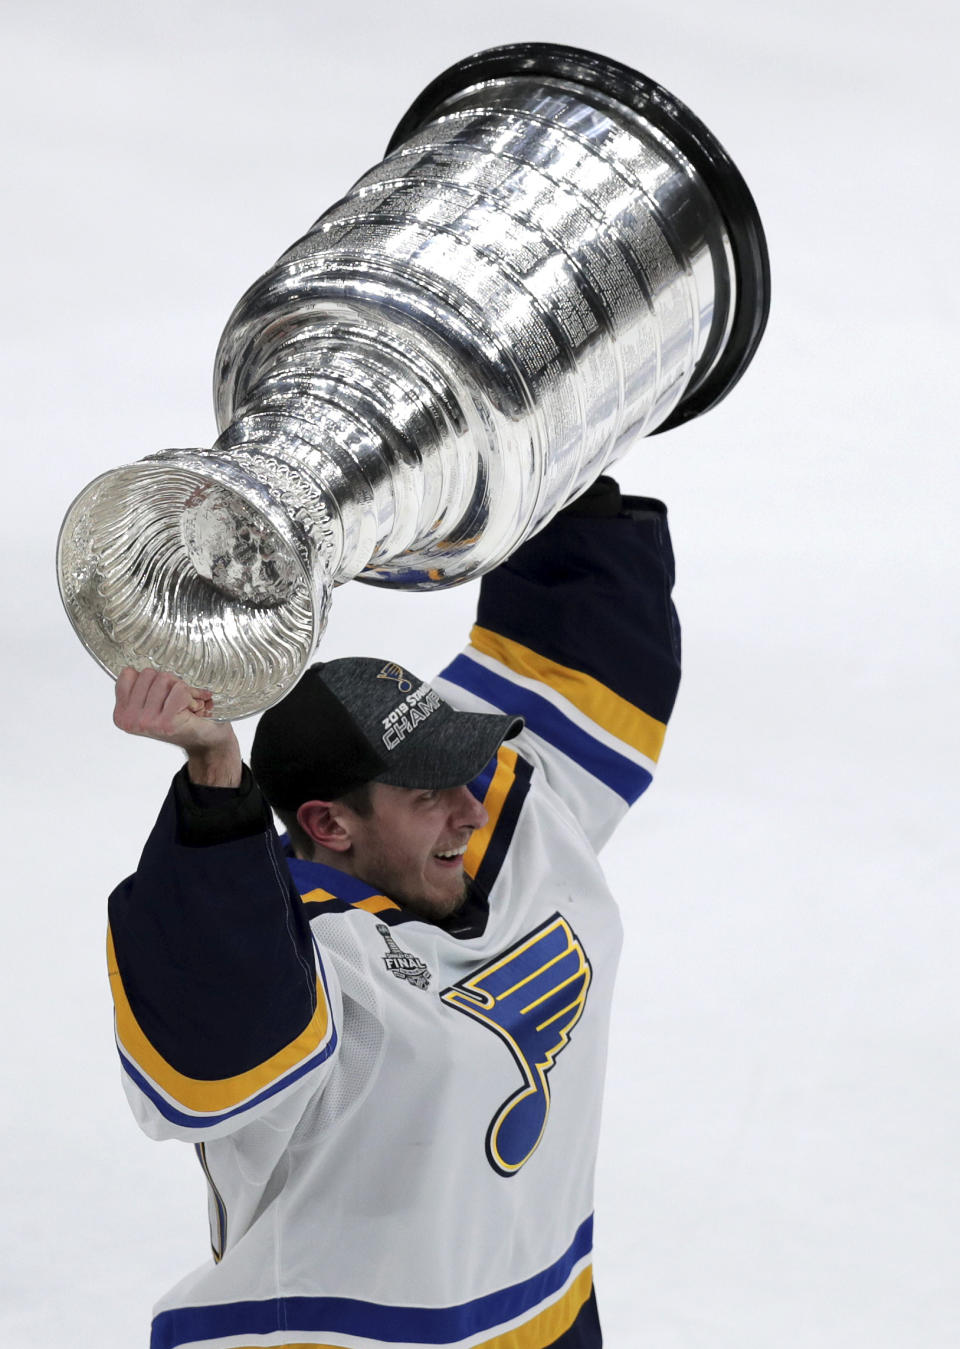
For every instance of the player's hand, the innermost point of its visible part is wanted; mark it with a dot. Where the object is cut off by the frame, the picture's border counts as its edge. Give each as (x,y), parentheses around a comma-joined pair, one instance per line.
(162,707)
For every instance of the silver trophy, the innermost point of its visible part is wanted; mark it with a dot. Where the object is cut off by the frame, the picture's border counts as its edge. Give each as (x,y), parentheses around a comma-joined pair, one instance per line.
(555,257)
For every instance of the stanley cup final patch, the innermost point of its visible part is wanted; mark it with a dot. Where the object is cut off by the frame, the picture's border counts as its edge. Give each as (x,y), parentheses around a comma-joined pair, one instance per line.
(401,964)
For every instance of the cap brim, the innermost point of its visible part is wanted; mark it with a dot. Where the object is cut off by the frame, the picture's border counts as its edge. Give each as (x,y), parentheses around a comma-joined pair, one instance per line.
(459,746)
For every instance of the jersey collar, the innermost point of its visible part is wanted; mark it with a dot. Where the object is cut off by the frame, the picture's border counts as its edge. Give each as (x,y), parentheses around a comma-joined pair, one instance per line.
(309,876)
(469,921)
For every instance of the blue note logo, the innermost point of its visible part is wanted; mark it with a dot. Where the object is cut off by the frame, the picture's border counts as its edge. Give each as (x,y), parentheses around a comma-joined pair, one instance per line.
(532,996)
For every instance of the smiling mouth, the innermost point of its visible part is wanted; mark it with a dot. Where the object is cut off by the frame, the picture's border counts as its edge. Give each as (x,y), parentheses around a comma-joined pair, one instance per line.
(451,858)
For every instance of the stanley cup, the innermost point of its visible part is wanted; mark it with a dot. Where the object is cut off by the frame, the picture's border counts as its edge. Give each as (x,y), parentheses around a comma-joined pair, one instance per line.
(555,257)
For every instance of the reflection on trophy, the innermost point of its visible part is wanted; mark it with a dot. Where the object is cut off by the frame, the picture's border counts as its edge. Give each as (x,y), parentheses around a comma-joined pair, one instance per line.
(555,256)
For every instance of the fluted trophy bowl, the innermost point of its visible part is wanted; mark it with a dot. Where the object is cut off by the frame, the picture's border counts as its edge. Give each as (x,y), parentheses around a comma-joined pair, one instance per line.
(554,258)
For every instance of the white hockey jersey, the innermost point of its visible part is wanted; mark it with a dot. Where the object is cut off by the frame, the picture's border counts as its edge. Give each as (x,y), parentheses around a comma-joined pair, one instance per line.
(399,1133)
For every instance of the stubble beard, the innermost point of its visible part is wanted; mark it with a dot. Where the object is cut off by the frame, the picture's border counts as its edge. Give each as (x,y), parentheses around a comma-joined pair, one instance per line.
(381,872)
(433,911)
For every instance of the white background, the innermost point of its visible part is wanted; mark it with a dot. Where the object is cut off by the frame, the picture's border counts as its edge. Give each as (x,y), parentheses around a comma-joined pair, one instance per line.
(779,1163)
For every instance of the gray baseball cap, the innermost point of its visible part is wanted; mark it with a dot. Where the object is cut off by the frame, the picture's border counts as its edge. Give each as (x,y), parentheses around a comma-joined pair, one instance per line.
(358,720)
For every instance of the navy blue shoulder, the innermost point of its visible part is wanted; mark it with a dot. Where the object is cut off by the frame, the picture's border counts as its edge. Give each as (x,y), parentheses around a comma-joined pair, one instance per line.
(594,595)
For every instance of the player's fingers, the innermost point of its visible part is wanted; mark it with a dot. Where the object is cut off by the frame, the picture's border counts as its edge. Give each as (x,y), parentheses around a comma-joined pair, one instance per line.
(155,701)
(133,689)
(137,695)
(125,681)
(180,697)
(204,702)
(121,698)
(141,688)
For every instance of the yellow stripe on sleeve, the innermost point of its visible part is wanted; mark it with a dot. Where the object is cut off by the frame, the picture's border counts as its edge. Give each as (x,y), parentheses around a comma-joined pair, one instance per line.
(497,792)
(613,713)
(221,1093)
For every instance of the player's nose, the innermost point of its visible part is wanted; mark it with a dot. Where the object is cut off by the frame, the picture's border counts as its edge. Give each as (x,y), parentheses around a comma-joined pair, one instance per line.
(467,811)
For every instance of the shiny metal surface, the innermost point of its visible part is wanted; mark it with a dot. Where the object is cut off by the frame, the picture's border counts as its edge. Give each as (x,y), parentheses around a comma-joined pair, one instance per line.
(529,281)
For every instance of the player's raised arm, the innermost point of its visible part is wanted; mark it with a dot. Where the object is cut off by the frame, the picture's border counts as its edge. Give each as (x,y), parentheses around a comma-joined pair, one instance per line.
(577,633)
(222,1012)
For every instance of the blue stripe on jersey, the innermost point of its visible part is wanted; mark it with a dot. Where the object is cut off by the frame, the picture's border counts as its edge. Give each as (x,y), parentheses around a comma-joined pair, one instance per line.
(493,858)
(625,777)
(349,1316)
(480,785)
(170,1111)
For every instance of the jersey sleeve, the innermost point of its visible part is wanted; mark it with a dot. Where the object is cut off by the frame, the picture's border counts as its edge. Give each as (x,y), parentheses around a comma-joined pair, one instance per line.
(577,633)
(224,1008)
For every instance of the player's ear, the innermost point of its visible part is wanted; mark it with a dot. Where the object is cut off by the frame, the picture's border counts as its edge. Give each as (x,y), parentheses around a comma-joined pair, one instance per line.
(325,824)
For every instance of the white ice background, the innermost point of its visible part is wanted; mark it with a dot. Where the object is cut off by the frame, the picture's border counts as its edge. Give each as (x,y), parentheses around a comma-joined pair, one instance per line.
(779,1166)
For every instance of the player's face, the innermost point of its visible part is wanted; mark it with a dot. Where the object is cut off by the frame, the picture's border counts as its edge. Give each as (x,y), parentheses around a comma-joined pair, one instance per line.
(411,846)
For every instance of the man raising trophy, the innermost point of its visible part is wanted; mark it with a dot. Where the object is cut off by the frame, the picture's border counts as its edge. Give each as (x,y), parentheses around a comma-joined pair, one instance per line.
(384,1031)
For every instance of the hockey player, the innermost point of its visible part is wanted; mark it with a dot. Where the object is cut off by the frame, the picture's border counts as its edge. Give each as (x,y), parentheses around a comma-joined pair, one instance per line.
(386,1036)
